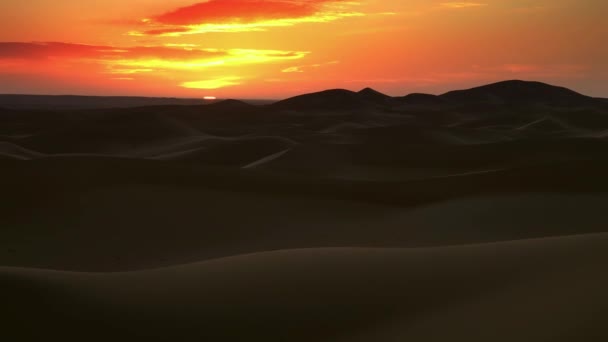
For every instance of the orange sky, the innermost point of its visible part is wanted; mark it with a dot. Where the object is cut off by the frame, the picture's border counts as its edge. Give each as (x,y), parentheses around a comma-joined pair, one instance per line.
(278,48)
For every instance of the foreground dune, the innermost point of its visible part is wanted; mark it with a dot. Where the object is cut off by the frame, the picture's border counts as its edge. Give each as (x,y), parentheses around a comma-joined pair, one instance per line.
(530,290)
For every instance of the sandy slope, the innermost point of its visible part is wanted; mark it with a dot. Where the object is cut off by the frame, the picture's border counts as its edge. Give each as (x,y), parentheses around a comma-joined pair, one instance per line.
(96,214)
(13,151)
(530,290)
(134,227)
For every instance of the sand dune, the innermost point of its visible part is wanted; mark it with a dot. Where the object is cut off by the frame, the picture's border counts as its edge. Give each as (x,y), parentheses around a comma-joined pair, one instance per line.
(98,226)
(533,290)
(237,151)
(338,216)
(13,151)
(266,159)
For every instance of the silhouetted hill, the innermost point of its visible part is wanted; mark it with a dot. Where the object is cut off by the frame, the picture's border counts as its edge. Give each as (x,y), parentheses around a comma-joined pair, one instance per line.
(336,99)
(328,99)
(480,99)
(372,95)
(501,93)
(518,92)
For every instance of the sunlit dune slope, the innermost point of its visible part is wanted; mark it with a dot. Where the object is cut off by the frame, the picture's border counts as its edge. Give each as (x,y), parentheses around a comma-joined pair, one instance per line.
(529,290)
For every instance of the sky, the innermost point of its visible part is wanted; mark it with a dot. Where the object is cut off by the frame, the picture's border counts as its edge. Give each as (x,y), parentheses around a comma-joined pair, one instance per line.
(274,49)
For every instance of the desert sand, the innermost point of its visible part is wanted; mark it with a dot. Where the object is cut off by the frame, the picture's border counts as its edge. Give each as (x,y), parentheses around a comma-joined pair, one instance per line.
(530,290)
(477,215)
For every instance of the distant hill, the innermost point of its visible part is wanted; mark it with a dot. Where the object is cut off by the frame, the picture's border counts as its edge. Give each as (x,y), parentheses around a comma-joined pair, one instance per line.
(336,99)
(518,92)
(501,93)
(497,94)
(328,99)
(72,102)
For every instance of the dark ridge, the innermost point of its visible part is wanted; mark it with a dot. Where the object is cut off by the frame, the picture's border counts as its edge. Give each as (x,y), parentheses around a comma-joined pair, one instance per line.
(329,99)
(518,92)
(373,95)
(422,99)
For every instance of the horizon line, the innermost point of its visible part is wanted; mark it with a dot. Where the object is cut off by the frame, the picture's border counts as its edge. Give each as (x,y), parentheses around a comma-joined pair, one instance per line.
(280,99)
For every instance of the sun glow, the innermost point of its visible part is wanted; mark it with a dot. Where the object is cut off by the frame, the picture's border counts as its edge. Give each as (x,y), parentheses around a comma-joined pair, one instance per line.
(233,57)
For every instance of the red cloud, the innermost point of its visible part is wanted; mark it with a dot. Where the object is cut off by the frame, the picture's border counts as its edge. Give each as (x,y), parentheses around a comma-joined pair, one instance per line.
(220,11)
(243,15)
